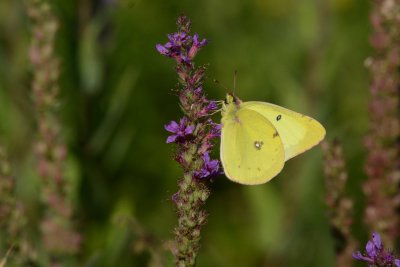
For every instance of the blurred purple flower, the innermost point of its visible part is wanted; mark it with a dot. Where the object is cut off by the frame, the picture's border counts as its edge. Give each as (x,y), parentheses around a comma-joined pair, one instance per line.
(210,167)
(208,108)
(181,130)
(178,39)
(376,254)
(212,105)
(176,46)
(215,129)
(181,46)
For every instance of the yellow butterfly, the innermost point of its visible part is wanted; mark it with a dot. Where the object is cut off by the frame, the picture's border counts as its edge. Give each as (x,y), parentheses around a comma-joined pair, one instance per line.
(258,137)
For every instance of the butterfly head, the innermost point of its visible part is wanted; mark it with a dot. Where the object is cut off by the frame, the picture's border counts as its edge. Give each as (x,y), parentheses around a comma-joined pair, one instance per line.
(231,104)
(232,99)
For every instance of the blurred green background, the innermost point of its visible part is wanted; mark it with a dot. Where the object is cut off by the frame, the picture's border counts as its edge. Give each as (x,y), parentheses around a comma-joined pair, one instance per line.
(116,96)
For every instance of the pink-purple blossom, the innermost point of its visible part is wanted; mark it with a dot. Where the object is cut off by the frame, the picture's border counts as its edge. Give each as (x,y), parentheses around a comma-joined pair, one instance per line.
(180,130)
(209,169)
(215,130)
(376,255)
(181,46)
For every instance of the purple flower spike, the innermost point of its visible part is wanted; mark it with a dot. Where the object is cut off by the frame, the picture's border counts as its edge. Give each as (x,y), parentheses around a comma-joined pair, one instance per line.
(192,137)
(181,130)
(376,254)
(210,167)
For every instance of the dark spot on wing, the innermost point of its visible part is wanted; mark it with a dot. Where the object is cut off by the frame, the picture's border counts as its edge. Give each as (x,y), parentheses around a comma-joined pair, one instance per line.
(278,117)
(275,135)
(239,166)
(258,169)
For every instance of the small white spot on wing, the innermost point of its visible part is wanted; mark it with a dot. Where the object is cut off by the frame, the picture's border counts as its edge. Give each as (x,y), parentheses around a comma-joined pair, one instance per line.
(258,144)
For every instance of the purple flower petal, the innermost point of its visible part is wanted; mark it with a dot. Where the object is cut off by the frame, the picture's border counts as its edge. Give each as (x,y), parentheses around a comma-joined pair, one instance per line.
(358,256)
(189,129)
(206,157)
(212,105)
(181,130)
(182,122)
(215,129)
(162,50)
(195,38)
(199,90)
(172,127)
(209,169)
(371,249)
(213,165)
(172,138)
(185,59)
(168,45)
(397,262)
(197,43)
(376,238)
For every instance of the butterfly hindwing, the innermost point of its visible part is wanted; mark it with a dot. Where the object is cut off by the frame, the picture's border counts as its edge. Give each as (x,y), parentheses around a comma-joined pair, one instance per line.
(297,131)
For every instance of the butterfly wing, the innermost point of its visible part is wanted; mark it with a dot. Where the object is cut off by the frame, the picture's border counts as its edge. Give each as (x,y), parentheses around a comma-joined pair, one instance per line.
(251,149)
(297,131)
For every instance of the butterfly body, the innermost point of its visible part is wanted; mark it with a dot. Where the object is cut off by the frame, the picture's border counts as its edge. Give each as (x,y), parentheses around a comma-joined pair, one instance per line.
(258,137)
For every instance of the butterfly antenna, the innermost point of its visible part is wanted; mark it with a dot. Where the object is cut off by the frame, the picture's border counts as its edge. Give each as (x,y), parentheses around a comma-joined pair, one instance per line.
(220,84)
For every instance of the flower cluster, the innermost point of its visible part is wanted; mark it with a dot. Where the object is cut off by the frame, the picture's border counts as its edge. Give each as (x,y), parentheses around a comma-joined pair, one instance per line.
(210,167)
(181,46)
(193,136)
(376,255)
(195,127)
(181,131)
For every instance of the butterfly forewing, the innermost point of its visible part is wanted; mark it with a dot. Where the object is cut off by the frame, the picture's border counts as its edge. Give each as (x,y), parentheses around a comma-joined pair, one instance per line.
(251,148)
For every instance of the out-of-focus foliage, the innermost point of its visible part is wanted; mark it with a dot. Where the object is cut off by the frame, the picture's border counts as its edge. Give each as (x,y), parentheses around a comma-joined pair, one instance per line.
(116,97)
